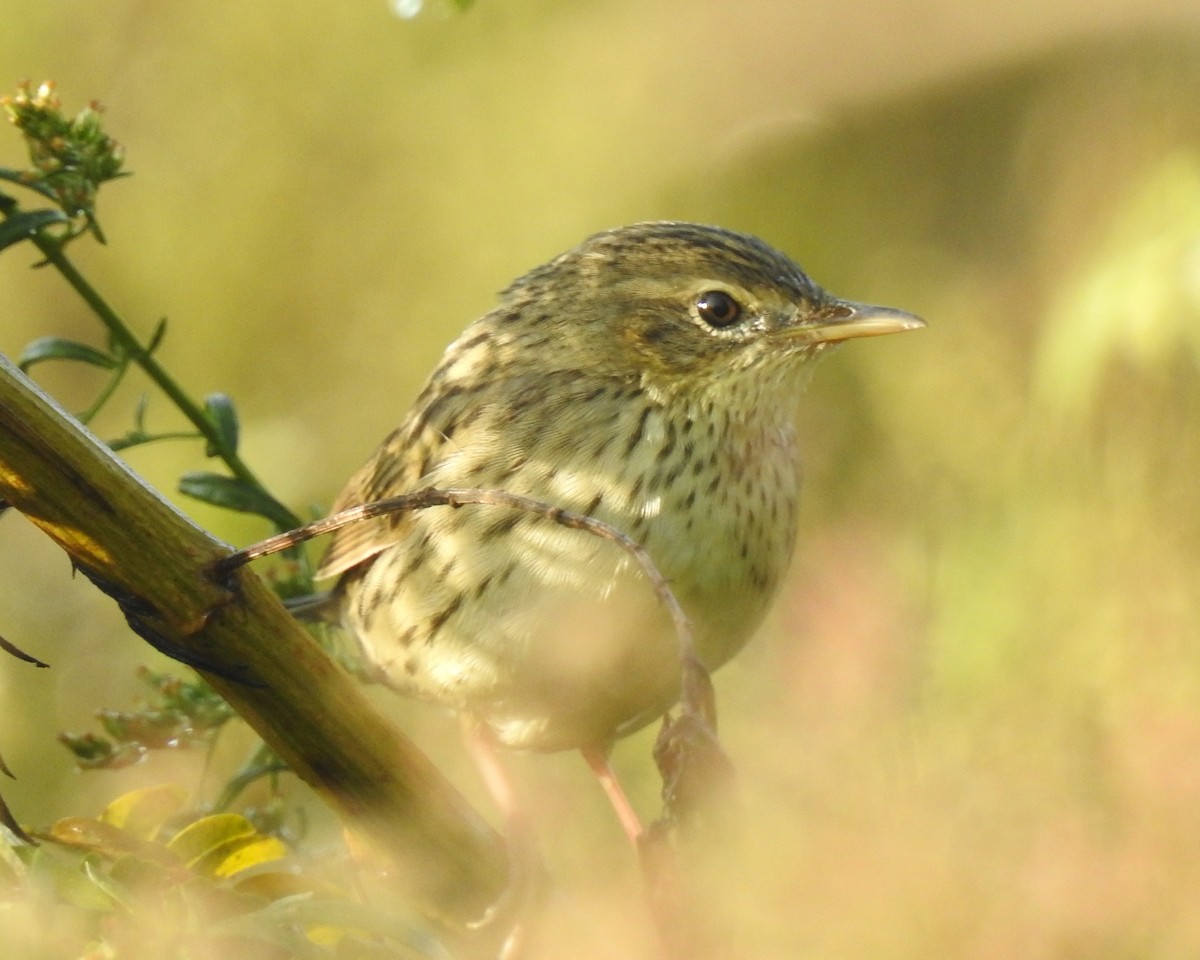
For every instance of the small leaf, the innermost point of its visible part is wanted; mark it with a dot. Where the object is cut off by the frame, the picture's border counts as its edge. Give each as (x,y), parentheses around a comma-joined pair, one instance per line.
(12,867)
(328,920)
(223,845)
(143,812)
(222,491)
(58,348)
(234,494)
(156,338)
(199,838)
(223,414)
(106,840)
(73,886)
(20,655)
(107,885)
(9,821)
(277,885)
(88,749)
(140,875)
(242,854)
(22,226)
(139,413)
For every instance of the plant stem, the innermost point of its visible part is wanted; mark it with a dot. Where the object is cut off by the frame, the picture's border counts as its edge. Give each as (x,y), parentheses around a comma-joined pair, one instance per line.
(52,250)
(109,389)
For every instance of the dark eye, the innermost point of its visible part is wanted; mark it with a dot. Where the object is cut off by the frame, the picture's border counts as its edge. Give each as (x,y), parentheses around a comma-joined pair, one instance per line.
(718,309)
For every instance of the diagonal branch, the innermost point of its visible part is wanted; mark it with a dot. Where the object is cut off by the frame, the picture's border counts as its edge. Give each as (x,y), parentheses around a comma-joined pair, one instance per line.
(156,564)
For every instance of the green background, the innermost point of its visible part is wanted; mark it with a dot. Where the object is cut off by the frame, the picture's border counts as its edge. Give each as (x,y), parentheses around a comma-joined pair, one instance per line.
(971,727)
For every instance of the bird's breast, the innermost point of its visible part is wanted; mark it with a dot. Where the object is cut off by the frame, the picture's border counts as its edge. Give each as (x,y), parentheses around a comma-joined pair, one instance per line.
(552,634)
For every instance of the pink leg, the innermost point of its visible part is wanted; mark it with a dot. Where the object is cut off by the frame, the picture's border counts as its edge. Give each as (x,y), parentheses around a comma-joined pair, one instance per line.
(517,902)
(596,755)
(481,745)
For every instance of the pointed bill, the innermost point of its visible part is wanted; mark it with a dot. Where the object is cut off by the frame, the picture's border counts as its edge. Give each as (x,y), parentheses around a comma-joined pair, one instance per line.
(844,319)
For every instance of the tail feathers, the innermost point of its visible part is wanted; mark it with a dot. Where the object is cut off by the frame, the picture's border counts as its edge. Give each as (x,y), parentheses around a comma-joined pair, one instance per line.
(323,607)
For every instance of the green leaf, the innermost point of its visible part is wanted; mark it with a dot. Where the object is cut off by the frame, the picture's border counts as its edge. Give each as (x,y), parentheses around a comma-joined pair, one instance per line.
(139,413)
(327,920)
(223,414)
(234,494)
(58,348)
(107,885)
(22,226)
(160,331)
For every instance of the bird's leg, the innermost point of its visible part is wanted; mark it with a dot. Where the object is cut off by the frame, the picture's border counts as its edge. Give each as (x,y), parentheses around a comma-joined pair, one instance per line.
(525,864)
(481,745)
(596,755)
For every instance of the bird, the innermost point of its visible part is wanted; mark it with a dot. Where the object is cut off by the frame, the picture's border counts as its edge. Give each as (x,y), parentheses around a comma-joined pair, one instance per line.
(648,378)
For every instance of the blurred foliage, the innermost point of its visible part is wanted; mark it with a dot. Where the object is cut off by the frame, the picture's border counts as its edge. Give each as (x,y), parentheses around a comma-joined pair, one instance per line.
(184,713)
(145,879)
(973,726)
(120,868)
(1137,298)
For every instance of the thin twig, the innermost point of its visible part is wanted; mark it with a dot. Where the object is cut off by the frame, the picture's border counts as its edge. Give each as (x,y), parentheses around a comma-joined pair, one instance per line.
(696,688)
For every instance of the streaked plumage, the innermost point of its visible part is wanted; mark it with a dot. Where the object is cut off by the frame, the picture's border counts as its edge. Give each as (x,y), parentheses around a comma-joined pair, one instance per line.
(600,384)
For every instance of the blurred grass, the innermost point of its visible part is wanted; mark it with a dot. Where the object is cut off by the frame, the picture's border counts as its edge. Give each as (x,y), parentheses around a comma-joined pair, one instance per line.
(972,727)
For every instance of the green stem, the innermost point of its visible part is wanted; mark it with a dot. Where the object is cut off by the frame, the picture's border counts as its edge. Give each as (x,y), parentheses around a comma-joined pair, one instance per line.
(262,762)
(124,443)
(109,389)
(52,250)
(22,179)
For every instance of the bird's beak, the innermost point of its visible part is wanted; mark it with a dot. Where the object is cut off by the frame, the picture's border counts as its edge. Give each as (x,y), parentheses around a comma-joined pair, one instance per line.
(843,319)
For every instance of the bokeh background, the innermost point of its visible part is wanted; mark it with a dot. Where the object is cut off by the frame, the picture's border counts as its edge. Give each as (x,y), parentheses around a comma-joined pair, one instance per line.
(971,727)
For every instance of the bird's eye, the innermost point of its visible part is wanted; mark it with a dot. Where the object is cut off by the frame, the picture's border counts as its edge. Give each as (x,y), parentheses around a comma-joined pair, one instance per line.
(718,309)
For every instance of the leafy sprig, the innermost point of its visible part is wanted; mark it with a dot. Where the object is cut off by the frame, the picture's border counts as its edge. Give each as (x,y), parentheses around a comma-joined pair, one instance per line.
(72,157)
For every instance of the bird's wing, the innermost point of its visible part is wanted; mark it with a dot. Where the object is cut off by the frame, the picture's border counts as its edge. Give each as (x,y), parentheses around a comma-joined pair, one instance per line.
(467,428)
(394,469)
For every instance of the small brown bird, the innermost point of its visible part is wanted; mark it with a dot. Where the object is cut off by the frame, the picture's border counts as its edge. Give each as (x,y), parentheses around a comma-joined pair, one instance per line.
(647,378)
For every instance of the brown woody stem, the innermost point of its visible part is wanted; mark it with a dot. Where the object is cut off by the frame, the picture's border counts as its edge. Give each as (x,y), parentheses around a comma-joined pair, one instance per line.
(158,566)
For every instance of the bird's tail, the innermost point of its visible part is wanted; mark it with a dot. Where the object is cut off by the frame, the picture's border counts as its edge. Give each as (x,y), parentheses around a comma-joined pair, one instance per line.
(319,607)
